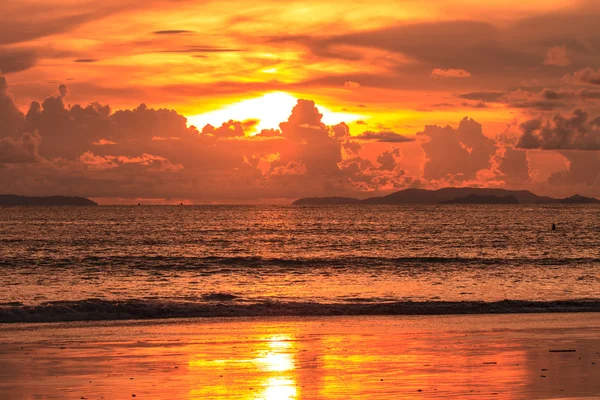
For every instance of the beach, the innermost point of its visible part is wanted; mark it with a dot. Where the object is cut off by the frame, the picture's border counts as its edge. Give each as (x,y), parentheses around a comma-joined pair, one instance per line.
(284,302)
(510,356)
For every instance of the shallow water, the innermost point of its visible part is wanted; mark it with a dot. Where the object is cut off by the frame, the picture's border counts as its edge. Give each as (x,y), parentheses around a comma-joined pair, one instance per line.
(362,357)
(241,255)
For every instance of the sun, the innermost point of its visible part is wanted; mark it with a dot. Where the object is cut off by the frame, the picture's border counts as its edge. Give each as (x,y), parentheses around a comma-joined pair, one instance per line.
(270,109)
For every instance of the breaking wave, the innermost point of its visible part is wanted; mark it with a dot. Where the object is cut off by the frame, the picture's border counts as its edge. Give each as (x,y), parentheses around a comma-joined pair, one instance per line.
(224,305)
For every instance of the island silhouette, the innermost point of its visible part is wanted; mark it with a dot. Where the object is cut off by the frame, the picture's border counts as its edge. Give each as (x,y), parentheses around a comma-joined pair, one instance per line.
(15,200)
(452,195)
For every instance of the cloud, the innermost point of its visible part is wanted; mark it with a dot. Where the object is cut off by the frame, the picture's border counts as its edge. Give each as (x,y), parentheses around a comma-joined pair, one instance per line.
(482,96)
(548,99)
(584,76)
(12,120)
(85,60)
(268,133)
(16,60)
(62,90)
(514,166)
(19,24)
(387,159)
(557,55)
(383,136)
(229,129)
(477,104)
(144,152)
(351,85)
(105,142)
(153,162)
(450,73)
(456,154)
(464,46)
(572,133)
(583,168)
(173,32)
(23,150)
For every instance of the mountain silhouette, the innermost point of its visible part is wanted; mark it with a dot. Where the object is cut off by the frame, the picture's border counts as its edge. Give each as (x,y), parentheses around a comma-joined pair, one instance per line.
(452,196)
(477,199)
(577,199)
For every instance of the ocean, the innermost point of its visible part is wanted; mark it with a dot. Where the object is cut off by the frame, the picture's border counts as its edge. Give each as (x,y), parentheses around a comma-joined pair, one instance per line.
(115,262)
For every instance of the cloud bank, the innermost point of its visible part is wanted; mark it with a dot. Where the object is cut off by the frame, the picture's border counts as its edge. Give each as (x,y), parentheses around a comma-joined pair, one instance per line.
(147,153)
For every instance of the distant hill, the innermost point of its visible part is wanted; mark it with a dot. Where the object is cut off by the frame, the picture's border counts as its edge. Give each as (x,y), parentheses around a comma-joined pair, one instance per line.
(453,196)
(14,200)
(577,199)
(477,199)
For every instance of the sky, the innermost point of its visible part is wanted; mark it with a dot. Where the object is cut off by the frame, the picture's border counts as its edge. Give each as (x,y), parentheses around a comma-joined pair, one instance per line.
(235,101)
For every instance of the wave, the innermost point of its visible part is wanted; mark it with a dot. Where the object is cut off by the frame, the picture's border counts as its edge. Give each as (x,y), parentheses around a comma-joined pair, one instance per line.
(97,309)
(183,263)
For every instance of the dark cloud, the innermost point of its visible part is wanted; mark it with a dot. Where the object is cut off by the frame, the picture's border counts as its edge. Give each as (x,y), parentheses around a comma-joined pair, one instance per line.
(456,154)
(542,105)
(584,76)
(583,168)
(23,25)
(514,166)
(443,105)
(173,32)
(466,45)
(387,160)
(86,60)
(477,104)
(383,136)
(23,150)
(69,132)
(549,99)
(23,21)
(16,60)
(482,96)
(12,121)
(229,129)
(573,133)
(498,56)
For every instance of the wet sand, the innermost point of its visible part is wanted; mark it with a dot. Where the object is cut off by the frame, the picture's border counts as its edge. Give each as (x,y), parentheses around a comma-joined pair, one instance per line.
(517,356)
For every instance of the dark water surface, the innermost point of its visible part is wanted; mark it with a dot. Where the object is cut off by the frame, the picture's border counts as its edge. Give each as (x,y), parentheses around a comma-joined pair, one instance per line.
(155,261)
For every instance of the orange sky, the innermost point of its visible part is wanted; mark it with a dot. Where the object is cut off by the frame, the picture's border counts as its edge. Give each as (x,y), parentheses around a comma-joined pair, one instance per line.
(379,66)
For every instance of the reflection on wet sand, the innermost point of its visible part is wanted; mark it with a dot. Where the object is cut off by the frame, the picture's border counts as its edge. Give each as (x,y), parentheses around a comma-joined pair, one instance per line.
(271,374)
(326,358)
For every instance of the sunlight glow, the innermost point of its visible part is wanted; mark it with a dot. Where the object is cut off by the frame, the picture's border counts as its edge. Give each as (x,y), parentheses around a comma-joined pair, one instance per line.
(278,388)
(277,358)
(270,109)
